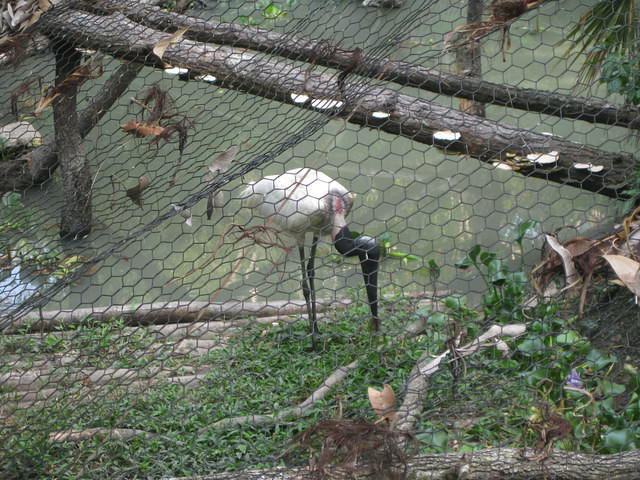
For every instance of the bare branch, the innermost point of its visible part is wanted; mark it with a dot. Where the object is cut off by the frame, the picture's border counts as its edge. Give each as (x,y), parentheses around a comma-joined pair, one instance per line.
(426,366)
(89,433)
(294,412)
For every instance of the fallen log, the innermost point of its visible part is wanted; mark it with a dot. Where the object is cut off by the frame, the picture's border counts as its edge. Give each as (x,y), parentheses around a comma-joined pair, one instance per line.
(408,116)
(320,52)
(492,463)
(162,313)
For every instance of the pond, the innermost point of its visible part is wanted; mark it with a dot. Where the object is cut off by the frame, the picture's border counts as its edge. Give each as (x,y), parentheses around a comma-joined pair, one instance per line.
(430,204)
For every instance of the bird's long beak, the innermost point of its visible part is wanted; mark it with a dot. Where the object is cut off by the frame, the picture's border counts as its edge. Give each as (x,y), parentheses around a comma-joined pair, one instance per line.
(370,275)
(370,254)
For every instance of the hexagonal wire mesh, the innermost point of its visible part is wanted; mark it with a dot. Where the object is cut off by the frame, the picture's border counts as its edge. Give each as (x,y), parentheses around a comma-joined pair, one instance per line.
(167,343)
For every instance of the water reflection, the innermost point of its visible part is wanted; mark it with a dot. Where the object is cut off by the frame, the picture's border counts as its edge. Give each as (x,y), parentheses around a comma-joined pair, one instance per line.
(14,289)
(435,206)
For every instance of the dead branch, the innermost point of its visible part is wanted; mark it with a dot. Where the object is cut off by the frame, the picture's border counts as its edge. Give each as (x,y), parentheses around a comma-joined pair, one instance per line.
(571,275)
(409,116)
(320,52)
(161,313)
(426,366)
(490,463)
(294,412)
(100,432)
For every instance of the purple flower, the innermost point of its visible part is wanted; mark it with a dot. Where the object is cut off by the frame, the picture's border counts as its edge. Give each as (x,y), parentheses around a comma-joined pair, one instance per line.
(573,379)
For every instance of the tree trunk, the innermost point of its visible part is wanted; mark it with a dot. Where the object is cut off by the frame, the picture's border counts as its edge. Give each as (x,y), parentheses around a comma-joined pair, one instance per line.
(37,166)
(76,175)
(469,60)
(409,116)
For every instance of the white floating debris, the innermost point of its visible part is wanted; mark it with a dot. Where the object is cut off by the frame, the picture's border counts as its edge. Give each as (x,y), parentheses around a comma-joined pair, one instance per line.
(176,70)
(207,78)
(543,158)
(502,166)
(299,98)
(380,115)
(185,213)
(447,136)
(582,166)
(326,103)
(20,134)
(596,168)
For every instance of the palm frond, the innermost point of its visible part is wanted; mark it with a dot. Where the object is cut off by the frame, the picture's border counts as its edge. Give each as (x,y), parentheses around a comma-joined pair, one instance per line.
(610,27)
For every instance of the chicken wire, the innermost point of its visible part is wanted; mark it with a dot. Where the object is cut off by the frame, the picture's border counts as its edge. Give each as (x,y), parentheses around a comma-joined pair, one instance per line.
(105,333)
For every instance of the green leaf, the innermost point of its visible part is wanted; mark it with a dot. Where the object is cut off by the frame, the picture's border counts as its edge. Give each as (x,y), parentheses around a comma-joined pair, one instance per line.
(470,259)
(610,388)
(487,258)
(433,269)
(618,440)
(532,346)
(568,338)
(274,11)
(598,360)
(455,302)
(438,320)
(522,229)
(497,271)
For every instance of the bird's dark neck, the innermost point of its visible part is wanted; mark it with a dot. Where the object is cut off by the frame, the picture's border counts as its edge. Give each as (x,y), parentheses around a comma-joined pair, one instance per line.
(363,245)
(345,243)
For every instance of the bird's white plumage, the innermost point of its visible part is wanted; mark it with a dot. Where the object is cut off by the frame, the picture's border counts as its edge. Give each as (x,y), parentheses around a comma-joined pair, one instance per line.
(296,201)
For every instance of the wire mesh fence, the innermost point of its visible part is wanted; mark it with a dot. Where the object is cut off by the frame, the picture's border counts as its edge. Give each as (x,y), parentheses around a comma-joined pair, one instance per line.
(172,332)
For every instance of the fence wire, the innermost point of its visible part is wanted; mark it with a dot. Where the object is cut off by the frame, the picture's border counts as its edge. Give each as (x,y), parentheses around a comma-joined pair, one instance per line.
(172,339)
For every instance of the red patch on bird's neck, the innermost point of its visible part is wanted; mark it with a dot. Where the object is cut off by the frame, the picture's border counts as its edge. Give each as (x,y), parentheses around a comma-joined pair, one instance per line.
(338,205)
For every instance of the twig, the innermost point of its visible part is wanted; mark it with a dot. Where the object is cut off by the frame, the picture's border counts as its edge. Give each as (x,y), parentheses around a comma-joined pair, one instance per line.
(298,411)
(570,271)
(89,433)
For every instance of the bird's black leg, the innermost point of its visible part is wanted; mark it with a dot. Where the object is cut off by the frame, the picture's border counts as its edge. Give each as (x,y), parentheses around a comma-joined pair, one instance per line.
(311,274)
(307,296)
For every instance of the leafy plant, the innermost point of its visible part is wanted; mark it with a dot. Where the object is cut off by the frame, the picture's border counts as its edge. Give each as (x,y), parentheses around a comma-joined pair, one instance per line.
(269,10)
(632,193)
(505,289)
(608,34)
(621,74)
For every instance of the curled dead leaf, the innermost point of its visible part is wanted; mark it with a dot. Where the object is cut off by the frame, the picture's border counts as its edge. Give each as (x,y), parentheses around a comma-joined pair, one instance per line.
(627,270)
(163,44)
(382,401)
(222,162)
(135,193)
(142,129)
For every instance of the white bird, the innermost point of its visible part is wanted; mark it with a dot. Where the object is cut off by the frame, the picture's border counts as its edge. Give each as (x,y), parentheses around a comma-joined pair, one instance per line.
(305,200)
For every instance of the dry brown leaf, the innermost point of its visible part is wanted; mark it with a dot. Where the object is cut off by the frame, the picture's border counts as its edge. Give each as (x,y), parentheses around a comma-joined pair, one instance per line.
(382,401)
(222,162)
(627,269)
(47,96)
(135,193)
(141,129)
(76,78)
(163,44)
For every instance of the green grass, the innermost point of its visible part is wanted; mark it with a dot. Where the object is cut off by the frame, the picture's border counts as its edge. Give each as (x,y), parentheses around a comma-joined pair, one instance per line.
(269,368)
